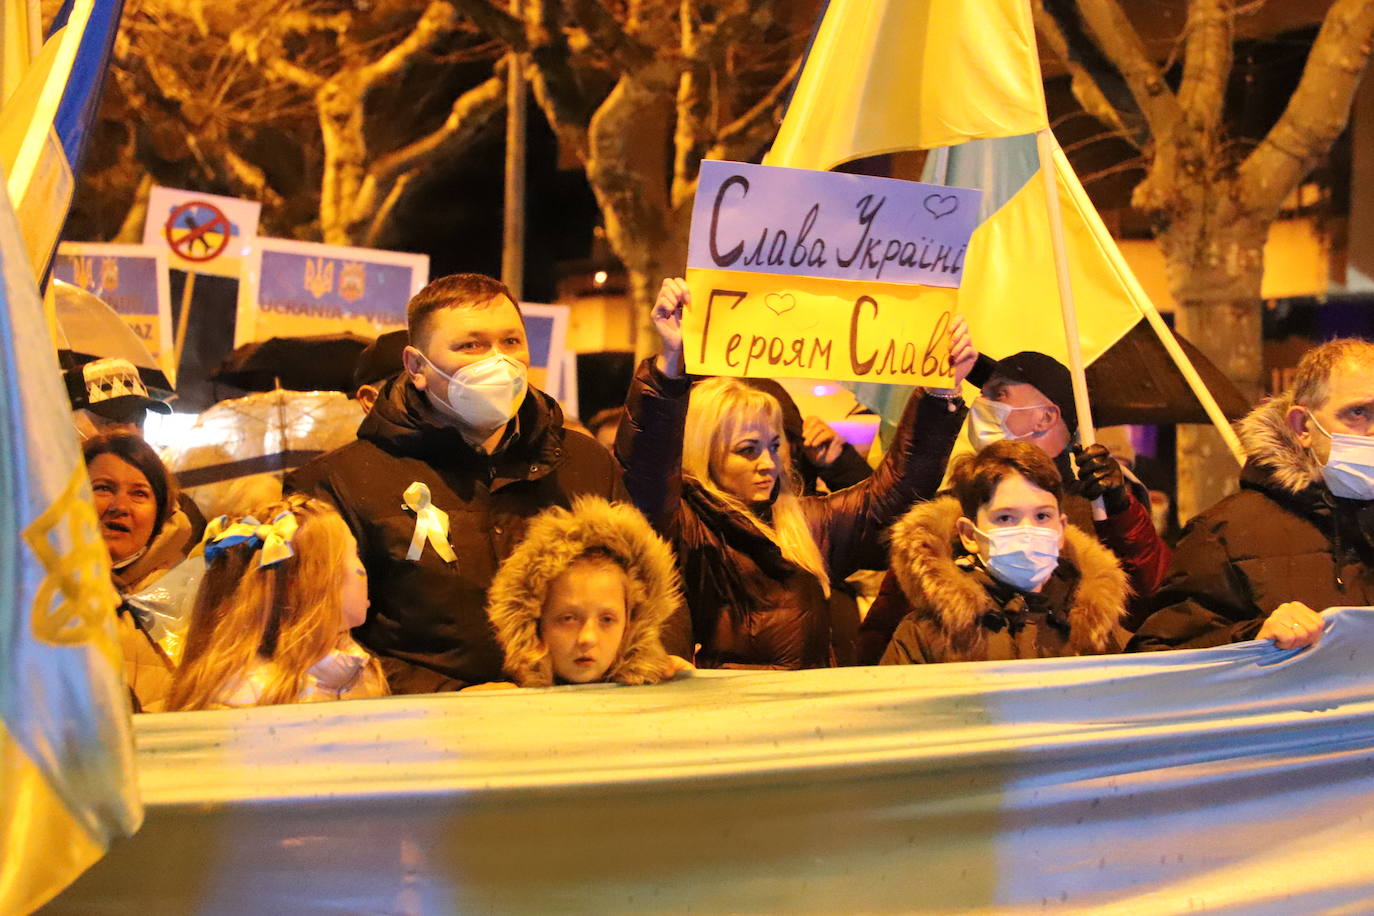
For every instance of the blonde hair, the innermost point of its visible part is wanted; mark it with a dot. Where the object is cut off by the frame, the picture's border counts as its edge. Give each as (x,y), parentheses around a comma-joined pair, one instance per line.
(289,614)
(719,409)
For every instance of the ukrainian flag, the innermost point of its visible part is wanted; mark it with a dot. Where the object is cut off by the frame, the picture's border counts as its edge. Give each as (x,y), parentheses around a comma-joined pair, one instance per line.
(963,81)
(66,752)
(50,97)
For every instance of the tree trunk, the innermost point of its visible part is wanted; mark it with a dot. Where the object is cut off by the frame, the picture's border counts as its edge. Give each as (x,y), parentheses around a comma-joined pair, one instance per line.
(1215,263)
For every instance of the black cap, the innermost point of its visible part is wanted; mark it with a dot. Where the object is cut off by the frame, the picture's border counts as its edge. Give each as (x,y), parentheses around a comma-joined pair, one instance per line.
(1049,376)
(381,360)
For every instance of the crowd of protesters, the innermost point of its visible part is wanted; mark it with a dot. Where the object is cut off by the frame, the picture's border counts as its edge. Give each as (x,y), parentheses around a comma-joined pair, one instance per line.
(469,539)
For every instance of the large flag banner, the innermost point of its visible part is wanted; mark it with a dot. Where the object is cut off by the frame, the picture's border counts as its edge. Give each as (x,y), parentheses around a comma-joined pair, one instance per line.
(132,280)
(546,332)
(50,102)
(798,273)
(66,755)
(201,233)
(300,289)
(1234,780)
(883,76)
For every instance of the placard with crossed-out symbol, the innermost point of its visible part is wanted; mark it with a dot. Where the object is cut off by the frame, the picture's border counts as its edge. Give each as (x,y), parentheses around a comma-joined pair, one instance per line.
(188,226)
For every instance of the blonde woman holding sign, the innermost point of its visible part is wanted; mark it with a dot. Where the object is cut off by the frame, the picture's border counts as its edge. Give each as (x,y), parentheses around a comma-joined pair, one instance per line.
(710,466)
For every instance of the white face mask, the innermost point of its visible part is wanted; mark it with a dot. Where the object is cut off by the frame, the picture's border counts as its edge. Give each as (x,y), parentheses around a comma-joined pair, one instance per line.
(987,422)
(1023,556)
(1349,469)
(484,395)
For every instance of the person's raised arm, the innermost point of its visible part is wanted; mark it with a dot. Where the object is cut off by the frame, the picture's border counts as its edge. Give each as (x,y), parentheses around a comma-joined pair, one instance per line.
(850,527)
(649,442)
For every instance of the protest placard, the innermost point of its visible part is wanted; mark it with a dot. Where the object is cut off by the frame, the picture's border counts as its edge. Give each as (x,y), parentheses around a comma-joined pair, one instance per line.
(796,273)
(132,280)
(202,233)
(546,332)
(299,289)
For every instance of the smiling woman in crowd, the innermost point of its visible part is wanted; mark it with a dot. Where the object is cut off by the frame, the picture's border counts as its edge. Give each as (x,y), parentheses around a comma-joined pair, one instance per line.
(758,559)
(136,504)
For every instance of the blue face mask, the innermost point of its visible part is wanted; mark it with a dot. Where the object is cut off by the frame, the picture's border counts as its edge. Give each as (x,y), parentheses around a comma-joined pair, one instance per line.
(1023,556)
(1349,468)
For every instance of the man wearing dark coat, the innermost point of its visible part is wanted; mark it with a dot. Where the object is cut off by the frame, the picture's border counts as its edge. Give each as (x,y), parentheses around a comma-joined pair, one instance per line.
(457,454)
(1299,536)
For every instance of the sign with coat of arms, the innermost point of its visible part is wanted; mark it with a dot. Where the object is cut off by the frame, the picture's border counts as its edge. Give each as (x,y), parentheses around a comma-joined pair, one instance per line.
(132,280)
(299,289)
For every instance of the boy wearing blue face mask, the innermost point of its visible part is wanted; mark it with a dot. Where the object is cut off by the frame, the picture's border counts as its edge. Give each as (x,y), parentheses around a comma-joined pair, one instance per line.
(994,572)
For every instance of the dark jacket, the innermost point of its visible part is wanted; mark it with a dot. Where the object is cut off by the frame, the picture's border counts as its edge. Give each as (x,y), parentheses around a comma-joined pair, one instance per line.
(750,606)
(428,622)
(1282,537)
(961,613)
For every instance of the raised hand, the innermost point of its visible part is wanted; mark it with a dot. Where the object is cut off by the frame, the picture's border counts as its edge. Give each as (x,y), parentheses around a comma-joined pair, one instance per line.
(962,353)
(822,444)
(667,318)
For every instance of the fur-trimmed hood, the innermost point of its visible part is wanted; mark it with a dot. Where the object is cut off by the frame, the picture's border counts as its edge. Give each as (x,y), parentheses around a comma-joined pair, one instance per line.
(923,560)
(553,542)
(1271,446)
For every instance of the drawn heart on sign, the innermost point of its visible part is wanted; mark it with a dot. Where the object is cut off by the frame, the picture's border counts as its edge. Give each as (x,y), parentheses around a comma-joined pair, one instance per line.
(941,205)
(780,303)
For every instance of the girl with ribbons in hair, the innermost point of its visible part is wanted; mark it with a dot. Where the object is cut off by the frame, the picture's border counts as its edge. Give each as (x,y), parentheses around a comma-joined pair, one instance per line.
(272,618)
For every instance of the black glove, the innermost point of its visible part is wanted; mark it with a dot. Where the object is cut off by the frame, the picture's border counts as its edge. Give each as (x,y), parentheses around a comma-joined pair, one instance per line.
(1099,474)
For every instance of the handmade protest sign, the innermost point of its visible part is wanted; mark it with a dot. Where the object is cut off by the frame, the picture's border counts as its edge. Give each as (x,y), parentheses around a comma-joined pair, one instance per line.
(299,289)
(132,280)
(796,273)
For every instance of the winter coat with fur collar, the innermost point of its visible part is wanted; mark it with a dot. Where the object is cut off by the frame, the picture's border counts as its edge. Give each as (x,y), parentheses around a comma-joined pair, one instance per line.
(960,613)
(1283,537)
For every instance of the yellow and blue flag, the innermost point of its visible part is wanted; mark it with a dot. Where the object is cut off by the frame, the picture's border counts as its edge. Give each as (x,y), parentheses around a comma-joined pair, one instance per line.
(50,102)
(977,111)
(66,752)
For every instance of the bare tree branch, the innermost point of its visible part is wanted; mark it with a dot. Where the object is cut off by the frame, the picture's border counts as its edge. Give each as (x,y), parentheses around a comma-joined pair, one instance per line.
(1117,38)
(496,22)
(469,117)
(1207,64)
(1083,81)
(755,126)
(606,35)
(1318,110)
(437,19)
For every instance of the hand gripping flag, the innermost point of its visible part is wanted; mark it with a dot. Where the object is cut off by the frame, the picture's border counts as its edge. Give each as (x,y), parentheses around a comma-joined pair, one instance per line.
(66,753)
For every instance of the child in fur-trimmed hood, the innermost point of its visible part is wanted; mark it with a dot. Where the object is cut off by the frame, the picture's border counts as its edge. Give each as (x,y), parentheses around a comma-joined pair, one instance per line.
(994,572)
(584,598)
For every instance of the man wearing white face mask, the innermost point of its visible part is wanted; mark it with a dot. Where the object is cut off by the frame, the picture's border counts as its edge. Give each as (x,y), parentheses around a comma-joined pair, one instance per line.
(995,572)
(491,453)
(1299,536)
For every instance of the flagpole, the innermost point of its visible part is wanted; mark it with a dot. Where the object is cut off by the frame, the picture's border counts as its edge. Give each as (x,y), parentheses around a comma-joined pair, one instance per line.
(1044,145)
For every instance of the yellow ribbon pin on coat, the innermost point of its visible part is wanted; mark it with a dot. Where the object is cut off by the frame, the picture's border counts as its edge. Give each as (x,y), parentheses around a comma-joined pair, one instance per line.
(431,524)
